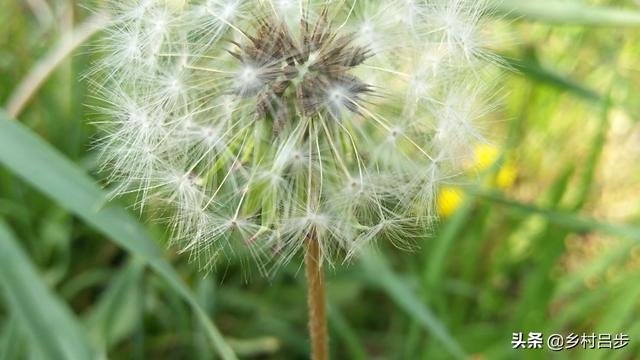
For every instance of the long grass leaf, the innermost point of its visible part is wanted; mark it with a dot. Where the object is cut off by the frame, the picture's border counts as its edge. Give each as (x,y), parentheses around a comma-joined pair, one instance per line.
(443,243)
(54,331)
(341,327)
(118,311)
(571,221)
(10,340)
(40,165)
(41,71)
(381,275)
(535,71)
(567,12)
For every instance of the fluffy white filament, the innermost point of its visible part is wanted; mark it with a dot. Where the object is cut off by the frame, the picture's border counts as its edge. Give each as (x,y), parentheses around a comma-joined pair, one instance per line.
(181,129)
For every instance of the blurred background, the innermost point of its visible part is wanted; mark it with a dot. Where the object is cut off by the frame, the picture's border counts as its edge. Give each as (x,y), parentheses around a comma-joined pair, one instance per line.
(546,242)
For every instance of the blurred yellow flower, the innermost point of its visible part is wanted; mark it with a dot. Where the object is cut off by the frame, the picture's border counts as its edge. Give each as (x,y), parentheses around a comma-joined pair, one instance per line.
(485,156)
(450,198)
(506,176)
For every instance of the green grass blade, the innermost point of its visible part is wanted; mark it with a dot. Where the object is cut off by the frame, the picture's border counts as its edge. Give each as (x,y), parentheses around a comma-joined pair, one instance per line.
(342,328)
(40,165)
(573,283)
(10,340)
(535,71)
(381,274)
(53,329)
(568,220)
(585,185)
(442,245)
(567,12)
(117,313)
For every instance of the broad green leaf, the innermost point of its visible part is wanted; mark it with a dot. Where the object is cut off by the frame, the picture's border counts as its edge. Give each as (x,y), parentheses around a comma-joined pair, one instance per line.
(44,168)
(567,12)
(53,329)
(381,275)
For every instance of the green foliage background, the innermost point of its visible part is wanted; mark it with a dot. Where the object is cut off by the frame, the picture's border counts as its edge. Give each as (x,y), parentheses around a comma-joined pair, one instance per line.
(558,252)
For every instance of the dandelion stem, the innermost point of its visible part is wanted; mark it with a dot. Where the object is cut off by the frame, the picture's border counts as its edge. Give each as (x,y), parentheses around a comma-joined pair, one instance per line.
(316,299)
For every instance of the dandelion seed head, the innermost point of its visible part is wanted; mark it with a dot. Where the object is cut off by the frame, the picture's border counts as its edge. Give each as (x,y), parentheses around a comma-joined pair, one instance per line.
(254,124)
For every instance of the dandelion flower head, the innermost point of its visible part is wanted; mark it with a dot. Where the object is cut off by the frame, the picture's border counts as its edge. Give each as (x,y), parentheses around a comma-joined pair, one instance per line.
(255,124)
